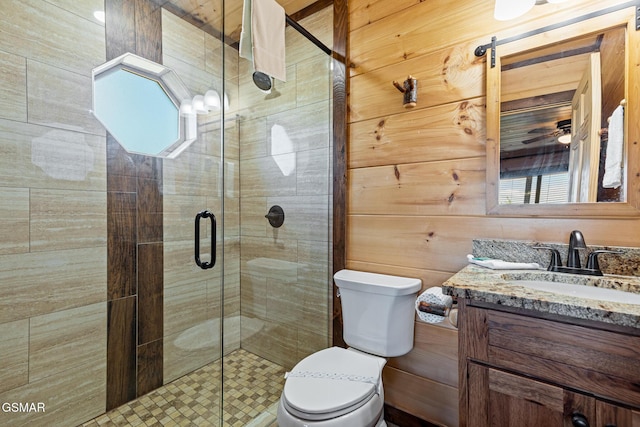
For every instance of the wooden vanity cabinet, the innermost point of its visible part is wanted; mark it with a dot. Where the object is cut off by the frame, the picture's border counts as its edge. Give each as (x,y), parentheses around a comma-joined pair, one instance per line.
(526,371)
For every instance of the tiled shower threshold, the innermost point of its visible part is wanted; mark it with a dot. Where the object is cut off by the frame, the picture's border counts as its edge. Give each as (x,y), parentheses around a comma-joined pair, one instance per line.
(252,387)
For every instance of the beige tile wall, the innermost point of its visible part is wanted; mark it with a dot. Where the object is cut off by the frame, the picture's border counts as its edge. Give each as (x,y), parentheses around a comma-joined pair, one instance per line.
(285,152)
(52,213)
(194,182)
(276,283)
(13,91)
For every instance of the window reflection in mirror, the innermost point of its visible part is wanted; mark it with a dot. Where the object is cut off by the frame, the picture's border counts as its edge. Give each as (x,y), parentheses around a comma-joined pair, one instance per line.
(555,103)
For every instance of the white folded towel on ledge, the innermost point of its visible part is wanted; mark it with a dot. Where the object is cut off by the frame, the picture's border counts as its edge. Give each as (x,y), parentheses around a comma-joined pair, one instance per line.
(498,264)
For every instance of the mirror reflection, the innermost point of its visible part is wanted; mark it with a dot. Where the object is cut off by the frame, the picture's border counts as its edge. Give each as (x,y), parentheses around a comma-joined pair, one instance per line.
(562,122)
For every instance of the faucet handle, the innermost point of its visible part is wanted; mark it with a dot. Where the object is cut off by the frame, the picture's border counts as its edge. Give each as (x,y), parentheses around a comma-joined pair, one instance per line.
(555,261)
(592,261)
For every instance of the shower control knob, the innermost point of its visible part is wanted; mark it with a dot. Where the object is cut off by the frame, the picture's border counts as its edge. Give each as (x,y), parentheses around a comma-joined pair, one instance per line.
(275,216)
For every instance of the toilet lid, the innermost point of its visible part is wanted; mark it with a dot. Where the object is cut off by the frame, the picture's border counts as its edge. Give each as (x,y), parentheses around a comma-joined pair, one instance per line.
(330,381)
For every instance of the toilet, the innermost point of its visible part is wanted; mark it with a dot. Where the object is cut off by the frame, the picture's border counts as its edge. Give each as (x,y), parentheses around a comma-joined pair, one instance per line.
(343,387)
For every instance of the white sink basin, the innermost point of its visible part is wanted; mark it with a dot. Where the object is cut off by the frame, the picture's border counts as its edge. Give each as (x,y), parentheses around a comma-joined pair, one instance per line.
(581,291)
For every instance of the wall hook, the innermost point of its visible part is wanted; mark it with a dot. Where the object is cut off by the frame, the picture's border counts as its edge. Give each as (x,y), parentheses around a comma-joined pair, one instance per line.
(410,90)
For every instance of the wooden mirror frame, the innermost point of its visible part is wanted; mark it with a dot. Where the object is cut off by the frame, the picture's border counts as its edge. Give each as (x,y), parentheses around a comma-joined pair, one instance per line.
(631,205)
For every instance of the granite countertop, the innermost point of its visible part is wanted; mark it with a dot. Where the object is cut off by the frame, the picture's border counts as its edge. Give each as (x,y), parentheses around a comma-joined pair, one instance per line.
(500,287)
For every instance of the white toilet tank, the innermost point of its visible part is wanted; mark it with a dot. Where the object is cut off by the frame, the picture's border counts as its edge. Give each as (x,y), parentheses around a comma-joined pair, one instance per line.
(377,311)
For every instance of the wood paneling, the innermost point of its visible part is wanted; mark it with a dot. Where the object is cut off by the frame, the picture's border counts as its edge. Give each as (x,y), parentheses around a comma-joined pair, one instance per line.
(364,13)
(442,242)
(416,135)
(401,418)
(444,76)
(399,33)
(426,399)
(453,188)
(434,354)
(416,177)
(413,32)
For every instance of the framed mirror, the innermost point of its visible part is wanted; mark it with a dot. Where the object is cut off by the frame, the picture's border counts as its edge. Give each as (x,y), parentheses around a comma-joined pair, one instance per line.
(561,134)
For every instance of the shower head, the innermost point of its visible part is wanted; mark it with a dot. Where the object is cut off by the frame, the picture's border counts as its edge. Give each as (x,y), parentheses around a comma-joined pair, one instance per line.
(273,93)
(262,80)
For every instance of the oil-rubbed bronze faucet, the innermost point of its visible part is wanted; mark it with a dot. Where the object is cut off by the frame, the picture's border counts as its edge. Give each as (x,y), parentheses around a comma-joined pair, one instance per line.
(576,243)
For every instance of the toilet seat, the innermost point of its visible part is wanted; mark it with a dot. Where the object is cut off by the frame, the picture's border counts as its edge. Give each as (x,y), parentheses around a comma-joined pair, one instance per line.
(331,383)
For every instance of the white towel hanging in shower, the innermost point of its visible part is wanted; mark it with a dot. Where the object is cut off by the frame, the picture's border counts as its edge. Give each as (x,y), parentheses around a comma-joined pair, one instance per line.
(246,46)
(268,21)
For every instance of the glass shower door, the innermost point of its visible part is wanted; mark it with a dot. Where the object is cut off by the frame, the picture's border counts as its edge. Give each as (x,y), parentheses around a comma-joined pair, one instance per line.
(194,223)
(277,170)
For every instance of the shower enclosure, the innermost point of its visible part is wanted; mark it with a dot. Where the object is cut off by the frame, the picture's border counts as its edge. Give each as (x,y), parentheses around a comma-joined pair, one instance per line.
(101,298)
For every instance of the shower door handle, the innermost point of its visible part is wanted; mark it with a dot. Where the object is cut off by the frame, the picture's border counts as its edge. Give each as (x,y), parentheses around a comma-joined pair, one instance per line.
(205,265)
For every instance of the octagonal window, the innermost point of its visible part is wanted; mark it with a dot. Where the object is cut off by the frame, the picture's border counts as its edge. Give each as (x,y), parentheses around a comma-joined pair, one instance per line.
(138,102)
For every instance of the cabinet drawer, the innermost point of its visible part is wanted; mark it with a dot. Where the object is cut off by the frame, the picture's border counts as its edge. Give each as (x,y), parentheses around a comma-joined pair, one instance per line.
(599,362)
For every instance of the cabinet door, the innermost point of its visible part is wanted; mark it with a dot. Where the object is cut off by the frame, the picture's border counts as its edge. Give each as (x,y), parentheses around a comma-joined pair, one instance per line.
(500,399)
(608,415)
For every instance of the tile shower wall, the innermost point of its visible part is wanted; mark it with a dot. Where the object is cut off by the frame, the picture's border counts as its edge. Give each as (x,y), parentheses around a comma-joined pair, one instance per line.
(290,265)
(53,233)
(285,152)
(194,182)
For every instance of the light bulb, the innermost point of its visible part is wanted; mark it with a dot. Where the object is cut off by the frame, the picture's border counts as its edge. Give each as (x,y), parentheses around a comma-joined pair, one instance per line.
(186,108)
(212,100)
(198,104)
(510,9)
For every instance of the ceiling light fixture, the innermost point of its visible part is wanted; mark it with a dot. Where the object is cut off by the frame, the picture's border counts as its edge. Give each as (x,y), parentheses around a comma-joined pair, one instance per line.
(510,9)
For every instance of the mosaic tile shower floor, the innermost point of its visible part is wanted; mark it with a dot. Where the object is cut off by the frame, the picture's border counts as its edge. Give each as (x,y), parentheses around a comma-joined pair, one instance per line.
(252,389)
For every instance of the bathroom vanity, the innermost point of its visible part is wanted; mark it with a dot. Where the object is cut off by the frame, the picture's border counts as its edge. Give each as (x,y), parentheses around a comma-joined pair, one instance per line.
(531,357)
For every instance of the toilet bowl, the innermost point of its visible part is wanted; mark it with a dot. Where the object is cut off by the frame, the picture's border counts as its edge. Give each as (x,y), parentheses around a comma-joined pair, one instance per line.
(334,387)
(338,387)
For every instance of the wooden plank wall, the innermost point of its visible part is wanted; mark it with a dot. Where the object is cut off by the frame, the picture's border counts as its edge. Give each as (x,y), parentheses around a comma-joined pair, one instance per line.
(416,177)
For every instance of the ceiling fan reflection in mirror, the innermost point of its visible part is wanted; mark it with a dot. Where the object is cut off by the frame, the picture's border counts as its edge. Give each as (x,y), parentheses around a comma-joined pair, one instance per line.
(562,133)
